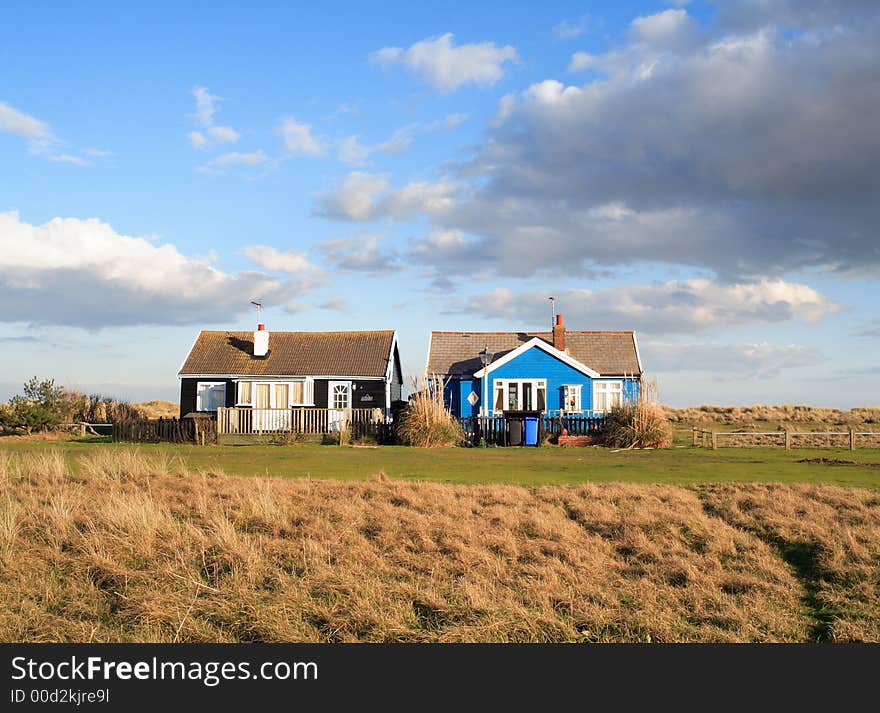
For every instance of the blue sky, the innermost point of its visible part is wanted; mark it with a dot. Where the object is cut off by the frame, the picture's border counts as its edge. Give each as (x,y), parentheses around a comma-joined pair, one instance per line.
(701,172)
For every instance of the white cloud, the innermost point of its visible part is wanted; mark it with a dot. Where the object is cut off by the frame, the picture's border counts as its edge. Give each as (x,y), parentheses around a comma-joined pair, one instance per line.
(419,197)
(447,123)
(83,273)
(364,196)
(678,306)
(274,260)
(335,304)
(68,158)
(568,29)
(354,153)
(13,121)
(353,198)
(351,151)
(197,139)
(670,29)
(360,253)
(727,360)
(447,67)
(206,107)
(40,139)
(298,138)
(234,158)
(693,147)
(223,134)
(582,61)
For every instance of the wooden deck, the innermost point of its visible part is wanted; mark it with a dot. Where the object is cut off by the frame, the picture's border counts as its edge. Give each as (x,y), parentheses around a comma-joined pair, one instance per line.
(307,421)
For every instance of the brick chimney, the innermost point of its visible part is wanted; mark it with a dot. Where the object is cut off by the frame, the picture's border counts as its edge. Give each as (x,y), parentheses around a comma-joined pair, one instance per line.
(261,341)
(559,334)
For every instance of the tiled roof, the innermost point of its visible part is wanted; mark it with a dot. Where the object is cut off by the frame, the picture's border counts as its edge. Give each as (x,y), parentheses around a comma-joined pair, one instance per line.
(609,353)
(291,354)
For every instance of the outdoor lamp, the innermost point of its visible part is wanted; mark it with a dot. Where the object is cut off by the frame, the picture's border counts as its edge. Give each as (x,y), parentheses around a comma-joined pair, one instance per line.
(486,356)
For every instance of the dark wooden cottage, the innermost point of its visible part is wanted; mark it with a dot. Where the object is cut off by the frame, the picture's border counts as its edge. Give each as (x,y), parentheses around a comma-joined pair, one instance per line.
(291,370)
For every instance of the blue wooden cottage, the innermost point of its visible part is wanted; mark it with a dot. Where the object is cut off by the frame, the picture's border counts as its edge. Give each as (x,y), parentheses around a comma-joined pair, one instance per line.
(556,372)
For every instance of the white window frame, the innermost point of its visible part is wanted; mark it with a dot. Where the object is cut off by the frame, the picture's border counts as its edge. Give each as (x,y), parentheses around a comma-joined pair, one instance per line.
(330,386)
(606,388)
(238,401)
(308,391)
(213,385)
(577,389)
(504,384)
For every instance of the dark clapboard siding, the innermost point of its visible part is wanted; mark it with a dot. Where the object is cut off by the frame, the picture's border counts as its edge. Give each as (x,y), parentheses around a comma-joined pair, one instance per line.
(396,378)
(361,388)
(189,387)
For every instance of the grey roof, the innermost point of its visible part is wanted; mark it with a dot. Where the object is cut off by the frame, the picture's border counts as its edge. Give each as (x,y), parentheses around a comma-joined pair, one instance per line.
(609,353)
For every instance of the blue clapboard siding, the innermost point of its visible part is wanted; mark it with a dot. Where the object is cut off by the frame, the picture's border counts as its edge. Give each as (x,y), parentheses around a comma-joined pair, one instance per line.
(532,364)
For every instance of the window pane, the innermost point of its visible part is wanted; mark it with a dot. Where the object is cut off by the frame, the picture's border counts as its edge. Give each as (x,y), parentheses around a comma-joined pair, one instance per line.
(215,397)
(261,395)
(511,396)
(281,396)
(542,398)
(244,392)
(298,392)
(340,396)
(499,398)
(527,397)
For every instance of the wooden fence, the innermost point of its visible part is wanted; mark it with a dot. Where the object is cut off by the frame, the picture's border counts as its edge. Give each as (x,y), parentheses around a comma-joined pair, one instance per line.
(171,430)
(852,439)
(358,422)
(496,432)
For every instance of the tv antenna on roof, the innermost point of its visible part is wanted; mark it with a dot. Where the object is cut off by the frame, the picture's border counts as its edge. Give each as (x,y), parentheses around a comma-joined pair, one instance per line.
(259,305)
(552,311)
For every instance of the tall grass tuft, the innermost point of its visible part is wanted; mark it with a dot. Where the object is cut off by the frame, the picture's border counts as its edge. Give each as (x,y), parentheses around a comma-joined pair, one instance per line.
(426,422)
(640,424)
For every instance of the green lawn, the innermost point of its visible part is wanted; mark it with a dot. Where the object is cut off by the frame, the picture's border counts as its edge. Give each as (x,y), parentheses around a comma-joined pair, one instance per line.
(527,466)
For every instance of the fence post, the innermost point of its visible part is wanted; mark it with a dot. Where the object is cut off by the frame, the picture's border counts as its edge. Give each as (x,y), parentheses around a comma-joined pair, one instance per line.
(787,440)
(695,437)
(714,440)
(852,438)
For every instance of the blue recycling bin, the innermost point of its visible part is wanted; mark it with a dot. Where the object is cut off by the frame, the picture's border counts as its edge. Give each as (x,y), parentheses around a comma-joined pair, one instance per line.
(531,431)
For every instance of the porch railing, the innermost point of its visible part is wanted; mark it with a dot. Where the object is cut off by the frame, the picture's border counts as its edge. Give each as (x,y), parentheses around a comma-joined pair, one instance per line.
(315,421)
(495,431)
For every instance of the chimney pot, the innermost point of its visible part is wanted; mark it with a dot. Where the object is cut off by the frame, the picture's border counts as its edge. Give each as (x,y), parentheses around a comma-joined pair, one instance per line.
(261,341)
(559,334)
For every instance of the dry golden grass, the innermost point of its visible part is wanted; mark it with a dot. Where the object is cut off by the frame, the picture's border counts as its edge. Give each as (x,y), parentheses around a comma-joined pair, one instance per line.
(640,424)
(159,409)
(130,550)
(744,415)
(426,422)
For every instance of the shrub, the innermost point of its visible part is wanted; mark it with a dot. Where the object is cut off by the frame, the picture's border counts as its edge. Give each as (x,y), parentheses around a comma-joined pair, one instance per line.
(96,408)
(41,407)
(641,424)
(426,422)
